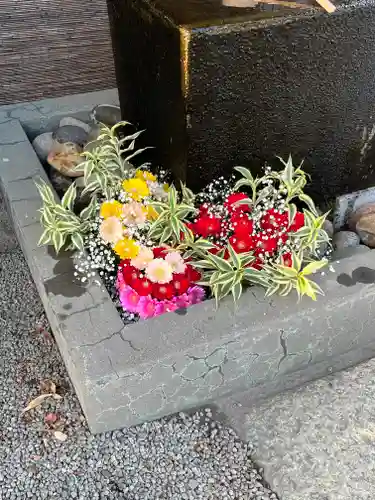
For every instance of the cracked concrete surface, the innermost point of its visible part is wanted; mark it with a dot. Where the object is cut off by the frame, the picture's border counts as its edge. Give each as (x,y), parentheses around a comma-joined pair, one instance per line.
(124,375)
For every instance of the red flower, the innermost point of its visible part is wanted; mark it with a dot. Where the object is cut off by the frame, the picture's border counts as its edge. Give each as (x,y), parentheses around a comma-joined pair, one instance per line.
(242,244)
(215,250)
(142,286)
(287,259)
(230,203)
(265,243)
(274,220)
(242,224)
(162,292)
(208,226)
(130,274)
(298,222)
(192,274)
(203,209)
(257,264)
(159,252)
(180,283)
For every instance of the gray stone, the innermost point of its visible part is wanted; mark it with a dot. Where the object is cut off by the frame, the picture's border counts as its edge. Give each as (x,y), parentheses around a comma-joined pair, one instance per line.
(107,114)
(348,204)
(354,217)
(344,253)
(59,181)
(344,239)
(70,133)
(69,120)
(365,228)
(43,144)
(328,227)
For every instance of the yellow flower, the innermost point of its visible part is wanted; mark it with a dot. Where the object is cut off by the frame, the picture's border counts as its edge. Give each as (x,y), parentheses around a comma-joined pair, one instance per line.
(110,209)
(126,249)
(145,175)
(166,187)
(151,213)
(136,188)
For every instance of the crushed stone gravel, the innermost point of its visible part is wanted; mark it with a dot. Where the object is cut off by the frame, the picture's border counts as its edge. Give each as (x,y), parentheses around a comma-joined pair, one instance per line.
(180,458)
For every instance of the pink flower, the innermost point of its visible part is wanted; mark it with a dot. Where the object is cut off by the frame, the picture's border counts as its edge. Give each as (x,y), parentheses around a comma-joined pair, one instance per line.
(196,294)
(182,301)
(146,307)
(129,299)
(160,307)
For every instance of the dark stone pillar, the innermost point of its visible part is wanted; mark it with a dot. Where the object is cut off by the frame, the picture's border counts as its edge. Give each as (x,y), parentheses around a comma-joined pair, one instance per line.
(217,87)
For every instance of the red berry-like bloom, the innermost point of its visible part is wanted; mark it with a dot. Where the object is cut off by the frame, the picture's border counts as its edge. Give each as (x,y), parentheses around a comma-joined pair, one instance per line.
(265,243)
(298,222)
(287,259)
(242,244)
(274,220)
(242,224)
(257,264)
(230,203)
(130,274)
(180,283)
(159,252)
(162,292)
(192,274)
(207,226)
(203,209)
(142,286)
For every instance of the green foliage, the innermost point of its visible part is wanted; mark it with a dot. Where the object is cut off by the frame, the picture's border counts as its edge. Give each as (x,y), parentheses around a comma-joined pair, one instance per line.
(62,227)
(283,279)
(107,164)
(226,276)
(290,181)
(169,226)
(312,235)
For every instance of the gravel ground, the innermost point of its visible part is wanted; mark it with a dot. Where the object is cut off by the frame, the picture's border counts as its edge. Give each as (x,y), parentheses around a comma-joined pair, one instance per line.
(48,453)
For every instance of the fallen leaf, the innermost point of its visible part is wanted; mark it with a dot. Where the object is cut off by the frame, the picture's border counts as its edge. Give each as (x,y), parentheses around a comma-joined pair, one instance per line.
(36,402)
(60,436)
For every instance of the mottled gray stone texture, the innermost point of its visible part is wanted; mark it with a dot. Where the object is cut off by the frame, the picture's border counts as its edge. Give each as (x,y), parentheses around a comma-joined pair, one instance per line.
(317,443)
(126,375)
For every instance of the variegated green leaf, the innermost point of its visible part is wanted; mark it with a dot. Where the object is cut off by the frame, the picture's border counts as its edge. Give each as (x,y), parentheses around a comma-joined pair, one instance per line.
(57,241)
(69,197)
(245,173)
(45,239)
(309,202)
(236,260)
(237,292)
(77,241)
(292,210)
(220,263)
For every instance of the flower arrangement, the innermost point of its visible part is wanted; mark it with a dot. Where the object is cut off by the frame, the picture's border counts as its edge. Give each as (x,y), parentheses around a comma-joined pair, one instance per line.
(159,249)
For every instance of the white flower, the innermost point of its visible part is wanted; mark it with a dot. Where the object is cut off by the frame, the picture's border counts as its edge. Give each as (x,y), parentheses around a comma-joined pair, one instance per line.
(157,191)
(159,271)
(111,230)
(144,257)
(133,214)
(176,262)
